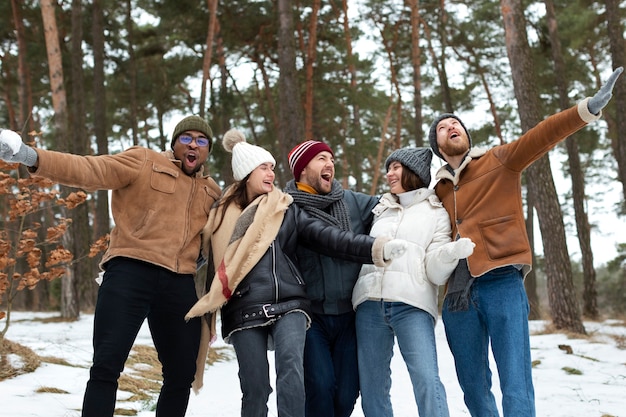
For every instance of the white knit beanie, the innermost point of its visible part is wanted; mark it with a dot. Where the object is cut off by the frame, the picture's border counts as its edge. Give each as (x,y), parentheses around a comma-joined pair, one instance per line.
(246,157)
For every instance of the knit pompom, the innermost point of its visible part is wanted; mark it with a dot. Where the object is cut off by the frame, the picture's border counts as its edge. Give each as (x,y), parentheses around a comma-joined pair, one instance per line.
(231,138)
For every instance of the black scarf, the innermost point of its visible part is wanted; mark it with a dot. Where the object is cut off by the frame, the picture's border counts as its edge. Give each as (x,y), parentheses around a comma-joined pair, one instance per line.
(327,207)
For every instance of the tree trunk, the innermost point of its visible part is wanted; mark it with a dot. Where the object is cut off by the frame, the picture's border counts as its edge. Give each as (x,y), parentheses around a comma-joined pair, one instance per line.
(355,129)
(132,65)
(309,70)
(590,306)
(290,132)
(78,279)
(562,296)
(69,294)
(416,63)
(440,61)
(618,55)
(208,54)
(26,123)
(55,66)
(102,224)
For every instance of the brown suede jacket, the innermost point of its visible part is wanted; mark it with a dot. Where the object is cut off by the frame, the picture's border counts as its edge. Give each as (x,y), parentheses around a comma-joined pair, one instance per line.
(158,210)
(483,196)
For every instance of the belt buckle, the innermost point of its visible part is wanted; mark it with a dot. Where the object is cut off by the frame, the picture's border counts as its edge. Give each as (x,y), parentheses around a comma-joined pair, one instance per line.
(266,312)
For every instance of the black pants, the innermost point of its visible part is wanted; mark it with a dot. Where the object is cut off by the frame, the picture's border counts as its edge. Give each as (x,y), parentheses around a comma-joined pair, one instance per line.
(132,291)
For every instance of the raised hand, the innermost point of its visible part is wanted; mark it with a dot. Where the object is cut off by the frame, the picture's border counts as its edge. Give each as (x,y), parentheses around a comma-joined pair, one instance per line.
(602,97)
(12,149)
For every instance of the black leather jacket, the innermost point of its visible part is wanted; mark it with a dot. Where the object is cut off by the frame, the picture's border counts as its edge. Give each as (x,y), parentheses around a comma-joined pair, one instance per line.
(275,286)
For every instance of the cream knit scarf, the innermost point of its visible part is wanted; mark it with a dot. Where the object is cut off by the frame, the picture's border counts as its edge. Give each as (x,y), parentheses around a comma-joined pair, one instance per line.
(242,239)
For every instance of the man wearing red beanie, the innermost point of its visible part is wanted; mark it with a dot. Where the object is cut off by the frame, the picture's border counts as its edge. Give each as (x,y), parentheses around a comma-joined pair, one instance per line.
(330,360)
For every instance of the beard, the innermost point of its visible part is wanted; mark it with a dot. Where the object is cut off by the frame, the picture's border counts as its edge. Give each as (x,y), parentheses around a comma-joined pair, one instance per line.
(454,148)
(316,182)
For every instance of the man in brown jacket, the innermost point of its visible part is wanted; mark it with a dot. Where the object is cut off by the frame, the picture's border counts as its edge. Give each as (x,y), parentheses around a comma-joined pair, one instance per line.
(486,301)
(160,203)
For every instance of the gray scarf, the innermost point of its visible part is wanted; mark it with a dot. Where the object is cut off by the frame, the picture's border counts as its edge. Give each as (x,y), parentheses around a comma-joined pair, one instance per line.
(459,286)
(327,207)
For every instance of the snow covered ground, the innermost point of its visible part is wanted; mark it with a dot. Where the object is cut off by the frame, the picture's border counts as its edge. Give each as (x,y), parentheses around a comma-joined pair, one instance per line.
(590,382)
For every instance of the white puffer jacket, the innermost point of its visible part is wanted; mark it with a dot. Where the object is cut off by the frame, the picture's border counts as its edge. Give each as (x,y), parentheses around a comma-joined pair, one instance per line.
(414,277)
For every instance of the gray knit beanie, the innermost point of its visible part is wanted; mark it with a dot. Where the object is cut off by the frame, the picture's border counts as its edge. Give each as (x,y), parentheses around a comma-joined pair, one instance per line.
(416,159)
(193,123)
(432,135)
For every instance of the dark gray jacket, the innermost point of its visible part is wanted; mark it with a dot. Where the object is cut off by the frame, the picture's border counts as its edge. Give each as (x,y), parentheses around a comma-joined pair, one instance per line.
(329,281)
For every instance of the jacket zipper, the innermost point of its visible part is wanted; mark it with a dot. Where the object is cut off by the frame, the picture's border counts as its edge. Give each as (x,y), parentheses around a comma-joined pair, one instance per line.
(274,276)
(187,222)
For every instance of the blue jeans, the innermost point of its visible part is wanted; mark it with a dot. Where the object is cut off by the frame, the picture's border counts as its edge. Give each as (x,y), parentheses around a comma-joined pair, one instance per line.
(331,375)
(132,291)
(377,323)
(498,313)
(288,334)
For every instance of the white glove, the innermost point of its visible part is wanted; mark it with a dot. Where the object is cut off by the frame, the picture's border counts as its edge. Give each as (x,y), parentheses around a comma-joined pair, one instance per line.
(394,249)
(12,149)
(459,249)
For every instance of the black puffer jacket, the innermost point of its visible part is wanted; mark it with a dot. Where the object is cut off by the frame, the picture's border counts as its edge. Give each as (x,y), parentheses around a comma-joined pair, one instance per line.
(275,286)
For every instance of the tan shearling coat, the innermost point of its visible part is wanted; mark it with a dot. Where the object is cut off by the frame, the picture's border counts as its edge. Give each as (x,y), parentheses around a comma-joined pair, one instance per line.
(158,210)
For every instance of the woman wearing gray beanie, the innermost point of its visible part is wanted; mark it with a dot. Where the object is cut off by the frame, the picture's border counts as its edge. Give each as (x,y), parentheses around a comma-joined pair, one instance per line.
(400,300)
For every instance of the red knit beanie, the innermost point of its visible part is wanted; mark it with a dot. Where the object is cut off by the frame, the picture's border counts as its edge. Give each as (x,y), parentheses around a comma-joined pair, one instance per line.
(301,155)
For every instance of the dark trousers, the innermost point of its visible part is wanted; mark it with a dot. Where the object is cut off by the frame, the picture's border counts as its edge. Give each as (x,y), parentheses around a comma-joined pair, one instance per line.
(132,291)
(331,374)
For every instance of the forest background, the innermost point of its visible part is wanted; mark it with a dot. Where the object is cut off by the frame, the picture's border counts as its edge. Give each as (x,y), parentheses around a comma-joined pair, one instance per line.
(365,76)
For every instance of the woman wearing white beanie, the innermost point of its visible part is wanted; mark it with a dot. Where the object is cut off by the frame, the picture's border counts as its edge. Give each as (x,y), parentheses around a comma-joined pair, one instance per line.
(250,240)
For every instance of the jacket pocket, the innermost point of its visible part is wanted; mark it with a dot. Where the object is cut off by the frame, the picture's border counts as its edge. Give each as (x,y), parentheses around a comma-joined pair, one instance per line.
(294,271)
(143,225)
(163,179)
(503,237)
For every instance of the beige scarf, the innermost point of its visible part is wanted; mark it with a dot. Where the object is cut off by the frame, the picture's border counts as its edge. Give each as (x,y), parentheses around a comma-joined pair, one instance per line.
(242,239)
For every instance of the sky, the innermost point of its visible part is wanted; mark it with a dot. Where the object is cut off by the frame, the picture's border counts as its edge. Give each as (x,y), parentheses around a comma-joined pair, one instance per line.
(590,382)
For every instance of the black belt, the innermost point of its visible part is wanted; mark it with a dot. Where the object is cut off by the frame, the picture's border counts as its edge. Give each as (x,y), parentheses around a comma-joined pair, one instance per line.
(270,310)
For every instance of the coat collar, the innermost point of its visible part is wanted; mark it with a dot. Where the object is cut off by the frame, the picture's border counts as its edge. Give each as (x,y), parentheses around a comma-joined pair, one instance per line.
(389,200)
(446,172)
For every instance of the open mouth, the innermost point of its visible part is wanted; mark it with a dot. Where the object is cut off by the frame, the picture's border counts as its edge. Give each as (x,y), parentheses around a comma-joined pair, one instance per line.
(327,176)
(191,158)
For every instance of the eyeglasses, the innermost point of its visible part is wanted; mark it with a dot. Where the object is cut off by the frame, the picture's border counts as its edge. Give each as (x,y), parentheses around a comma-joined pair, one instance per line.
(200,141)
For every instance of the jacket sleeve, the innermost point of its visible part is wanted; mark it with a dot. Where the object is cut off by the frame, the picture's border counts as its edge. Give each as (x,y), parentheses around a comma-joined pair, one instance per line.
(536,142)
(439,269)
(101,172)
(331,241)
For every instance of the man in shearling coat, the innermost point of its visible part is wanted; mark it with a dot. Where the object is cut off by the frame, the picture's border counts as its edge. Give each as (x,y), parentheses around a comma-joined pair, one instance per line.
(160,203)
(486,301)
